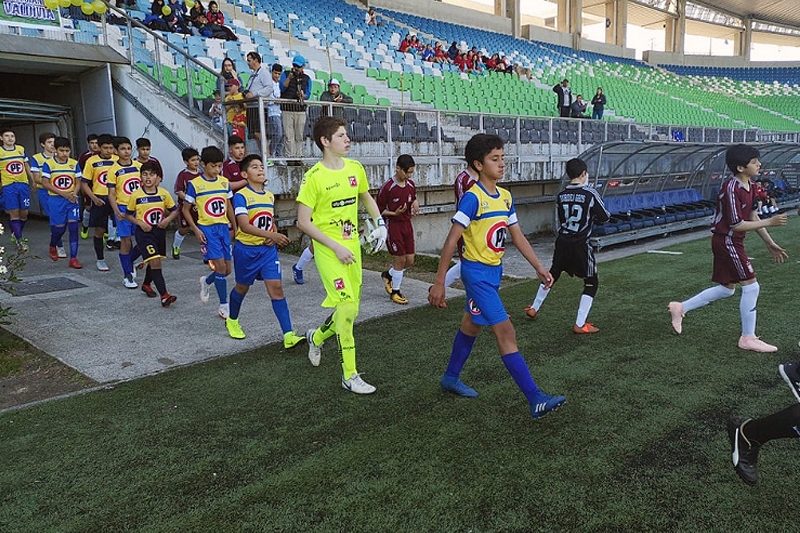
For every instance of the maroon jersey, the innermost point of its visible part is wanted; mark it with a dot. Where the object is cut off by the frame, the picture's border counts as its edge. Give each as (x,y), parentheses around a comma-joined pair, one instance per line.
(157,162)
(230,169)
(84,157)
(184,177)
(464,181)
(393,196)
(734,205)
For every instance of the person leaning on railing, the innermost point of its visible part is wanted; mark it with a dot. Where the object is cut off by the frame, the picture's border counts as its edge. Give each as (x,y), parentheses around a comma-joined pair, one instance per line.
(334,94)
(260,85)
(295,86)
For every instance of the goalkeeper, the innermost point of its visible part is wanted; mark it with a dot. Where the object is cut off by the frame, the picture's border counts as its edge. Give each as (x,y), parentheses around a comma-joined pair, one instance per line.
(329,195)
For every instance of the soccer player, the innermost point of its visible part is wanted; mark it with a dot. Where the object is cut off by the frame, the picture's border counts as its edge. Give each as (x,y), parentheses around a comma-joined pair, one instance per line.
(578,207)
(327,211)
(151,208)
(84,201)
(16,179)
(255,250)
(143,148)
(61,177)
(485,219)
(733,218)
(191,159)
(230,167)
(397,201)
(37,162)
(212,195)
(305,258)
(95,186)
(465,179)
(124,178)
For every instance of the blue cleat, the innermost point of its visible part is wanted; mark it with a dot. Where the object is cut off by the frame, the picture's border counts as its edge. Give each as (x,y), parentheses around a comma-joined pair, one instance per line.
(545,404)
(297,274)
(456,386)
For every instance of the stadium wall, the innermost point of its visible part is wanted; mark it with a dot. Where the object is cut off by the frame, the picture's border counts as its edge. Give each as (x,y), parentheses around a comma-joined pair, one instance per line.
(665,58)
(447,12)
(546,35)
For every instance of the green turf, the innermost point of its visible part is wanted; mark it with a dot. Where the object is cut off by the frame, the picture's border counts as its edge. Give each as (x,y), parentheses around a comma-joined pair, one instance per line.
(263,441)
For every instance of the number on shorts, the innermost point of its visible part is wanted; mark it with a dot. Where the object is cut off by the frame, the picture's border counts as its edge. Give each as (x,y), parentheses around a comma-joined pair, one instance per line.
(151,249)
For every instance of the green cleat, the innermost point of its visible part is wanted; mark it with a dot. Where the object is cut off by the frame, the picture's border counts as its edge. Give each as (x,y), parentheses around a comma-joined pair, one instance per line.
(292,339)
(234,329)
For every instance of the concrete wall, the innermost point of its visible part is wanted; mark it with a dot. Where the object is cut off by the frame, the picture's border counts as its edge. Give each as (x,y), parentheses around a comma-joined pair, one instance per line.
(450,13)
(546,35)
(664,58)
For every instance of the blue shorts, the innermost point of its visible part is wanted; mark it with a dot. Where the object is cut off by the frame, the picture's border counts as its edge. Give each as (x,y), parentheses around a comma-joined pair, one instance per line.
(251,263)
(482,283)
(124,226)
(17,195)
(43,196)
(218,242)
(62,211)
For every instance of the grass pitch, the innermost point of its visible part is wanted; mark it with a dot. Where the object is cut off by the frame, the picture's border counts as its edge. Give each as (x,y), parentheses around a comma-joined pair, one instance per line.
(263,441)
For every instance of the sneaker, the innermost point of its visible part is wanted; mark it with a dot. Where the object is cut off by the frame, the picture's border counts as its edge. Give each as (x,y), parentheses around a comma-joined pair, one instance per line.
(531,313)
(176,252)
(297,275)
(234,329)
(754,344)
(677,314)
(74,263)
(544,404)
(224,311)
(22,245)
(84,232)
(109,245)
(357,385)
(129,283)
(117,244)
(168,299)
(102,266)
(743,452)
(314,351)
(586,329)
(398,298)
(457,387)
(387,281)
(53,253)
(791,376)
(292,339)
(148,290)
(205,290)
(62,253)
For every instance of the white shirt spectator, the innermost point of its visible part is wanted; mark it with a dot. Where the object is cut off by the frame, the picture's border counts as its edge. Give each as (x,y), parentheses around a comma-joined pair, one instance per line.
(274,110)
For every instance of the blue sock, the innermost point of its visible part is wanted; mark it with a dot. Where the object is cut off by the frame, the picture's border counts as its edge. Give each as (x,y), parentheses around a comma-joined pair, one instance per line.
(126,263)
(134,255)
(222,288)
(236,304)
(210,278)
(16,229)
(462,346)
(55,234)
(74,230)
(282,312)
(518,369)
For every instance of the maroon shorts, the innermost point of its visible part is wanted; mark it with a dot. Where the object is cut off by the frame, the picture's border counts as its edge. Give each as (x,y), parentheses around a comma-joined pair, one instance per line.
(401,238)
(181,220)
(731,264)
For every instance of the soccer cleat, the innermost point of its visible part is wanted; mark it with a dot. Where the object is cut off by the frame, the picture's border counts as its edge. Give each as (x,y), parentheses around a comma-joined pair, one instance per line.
(677,314)
(791,376)
(62,253)
(545,404)
(743,452)
(314,351)
(176,252)
(531,313)
(53,253)
(457,387)
(22,245)
(74,263)
(357,385)
(387,281)
(102,266)
(168,299)
(586,329)
(234,329)
(205,290)
(292,339)
(148,290)
(398,298)
(224,311)
(129,283)
(109,245)
(84,232)
(297,275)
(117,244)
(754,344)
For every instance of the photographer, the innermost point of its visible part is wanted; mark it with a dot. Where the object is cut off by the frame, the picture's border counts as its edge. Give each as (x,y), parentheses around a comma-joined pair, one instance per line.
(334,94)
(295,85)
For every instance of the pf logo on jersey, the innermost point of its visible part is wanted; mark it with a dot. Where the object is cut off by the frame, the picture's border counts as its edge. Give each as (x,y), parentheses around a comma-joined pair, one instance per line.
(130,185)
(153,216)
(102,177)
(15,168)
(215,206)
(62,182)
(496,236)
(262,220)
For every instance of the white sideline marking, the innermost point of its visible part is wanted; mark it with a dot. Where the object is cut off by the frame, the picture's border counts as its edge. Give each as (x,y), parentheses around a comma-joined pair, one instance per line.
(664,252)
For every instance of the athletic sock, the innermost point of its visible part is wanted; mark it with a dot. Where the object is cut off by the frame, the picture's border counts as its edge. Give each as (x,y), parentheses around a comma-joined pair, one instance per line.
(111,227)
(583,310)
(21,227)
(158,279)
(305,258)
(462,347)
(397,278)
(712,294)
(747,308)
(222,288)
(781,425)
(343,318)
(541,295)
(518,369)
(236,300)
(453,273)
(324,332)
(85,219)
(98,248)
(16,229)
(74,235)
(211,277)
(178,241)
(56,232)
(126,264)
(281,309)
(148,276)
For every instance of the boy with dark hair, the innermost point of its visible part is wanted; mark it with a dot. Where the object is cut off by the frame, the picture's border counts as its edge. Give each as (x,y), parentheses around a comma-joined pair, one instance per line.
(230,167)
(95,186)
(212,194)
(485,218)
(143,148)
(61,177)
(147,208)
(578,207)
(327,211)
(123,179)
(37,162)
(93,149)
(191,158)
(255,250)
(397,201)
(733,218)
(16,180)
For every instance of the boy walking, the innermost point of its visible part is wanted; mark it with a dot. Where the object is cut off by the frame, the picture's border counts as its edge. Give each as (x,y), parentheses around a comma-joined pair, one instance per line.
(191,159)
(46,141)
(734,217)
(123,180)
(95,186)
(16,179)
(61,176)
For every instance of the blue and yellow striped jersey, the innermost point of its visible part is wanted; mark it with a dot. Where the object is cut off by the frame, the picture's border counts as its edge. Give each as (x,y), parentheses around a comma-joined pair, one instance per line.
(124,180)
(12,165)
(486,219)
(211,198)
(62,176)
(260,210)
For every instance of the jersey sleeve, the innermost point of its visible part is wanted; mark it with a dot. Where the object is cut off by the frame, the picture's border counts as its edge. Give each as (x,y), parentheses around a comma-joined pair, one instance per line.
(45,171)
(381,199)
(730,205)
(190,193)
(78,172)
(230,192)
(363,183)
(512,215)
(35,167)
(239,204)
(169,203)
(599,211)
(88,172)
(131,207)
(111,177)
(308,192)
(467,210)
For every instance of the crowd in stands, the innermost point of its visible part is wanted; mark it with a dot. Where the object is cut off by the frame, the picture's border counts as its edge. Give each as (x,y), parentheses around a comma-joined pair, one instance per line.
(576,108)
(172,16)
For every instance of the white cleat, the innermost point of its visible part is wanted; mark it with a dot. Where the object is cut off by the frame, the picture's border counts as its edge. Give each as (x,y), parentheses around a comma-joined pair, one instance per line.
(62,253)
(102,266)
(224,311)
(129,283)
(314,351)
(754,344)
(677,314)
(205,290)
(357,385)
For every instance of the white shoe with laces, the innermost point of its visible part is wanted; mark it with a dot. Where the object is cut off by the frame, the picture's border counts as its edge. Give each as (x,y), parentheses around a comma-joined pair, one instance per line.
(62,253)
(129,283)
(357,385)
(102,266)
(205,290)
(224,311)
(314,351)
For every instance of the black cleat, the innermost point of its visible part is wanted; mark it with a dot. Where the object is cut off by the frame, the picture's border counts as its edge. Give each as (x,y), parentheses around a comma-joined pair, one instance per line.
(789,373)
(743,452)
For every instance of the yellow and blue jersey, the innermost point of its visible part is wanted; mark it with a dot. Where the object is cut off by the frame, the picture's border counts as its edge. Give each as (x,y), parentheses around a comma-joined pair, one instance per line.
(95,173)
(260,210)
(211,198)
(124,179)
(12,165)
(150,207)
(37,163)
(486,219)
(62,176)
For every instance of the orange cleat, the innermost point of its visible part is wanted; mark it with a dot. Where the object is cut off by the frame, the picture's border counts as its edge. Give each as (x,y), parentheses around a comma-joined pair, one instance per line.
(531,313)
(53,253)
(586,329)
(74,263)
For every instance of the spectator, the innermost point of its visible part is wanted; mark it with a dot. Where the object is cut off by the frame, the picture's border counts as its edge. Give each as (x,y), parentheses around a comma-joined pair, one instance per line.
(229,73)
(564,98)
(176,19)
(428,54)
(416,44)
(197,9)
(598,104)
(461,61)
(274,119)
(440,55)
(453,52)
(156,20)
(295,86)
(334,94)
(371,18)
(405,44)
(236,113)
(491,63)
(521,72)
(216,111)
(578,108)
(216,20)
(478,66)
(260,85)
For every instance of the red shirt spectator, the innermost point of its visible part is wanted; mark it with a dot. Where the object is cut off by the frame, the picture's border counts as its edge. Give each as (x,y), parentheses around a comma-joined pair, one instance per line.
(461,62)
(214,15)
(404,45)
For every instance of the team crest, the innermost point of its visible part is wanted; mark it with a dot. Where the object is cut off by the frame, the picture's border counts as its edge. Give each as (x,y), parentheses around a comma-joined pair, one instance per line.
(473,309)
(153,216)
(262,220)
(496,237)
(102,177)
(62,182)
(338,284)
(15,168)
(131,185)
(353,181)
(215,207)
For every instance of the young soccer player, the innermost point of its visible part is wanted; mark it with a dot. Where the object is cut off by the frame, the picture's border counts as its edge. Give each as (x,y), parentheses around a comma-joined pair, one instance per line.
(733,218)
(85,202)
(397,201)
(255,250)
(465,179)
(485,219)
(578,207)
(212,195)
(16,179)
(143,149)
(327,211)
(305,258)
(61,177)
(230,167)
(95,186)
(151,208)
(191,159)
(124,178)
(38,160)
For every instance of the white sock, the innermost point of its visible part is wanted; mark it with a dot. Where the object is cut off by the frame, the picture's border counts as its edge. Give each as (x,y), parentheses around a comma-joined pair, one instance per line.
(712,294)
(178,240)
(397,278)
(305,257)
(112,231)
(747,308)
(583,310)
(453,274)
(541,294)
